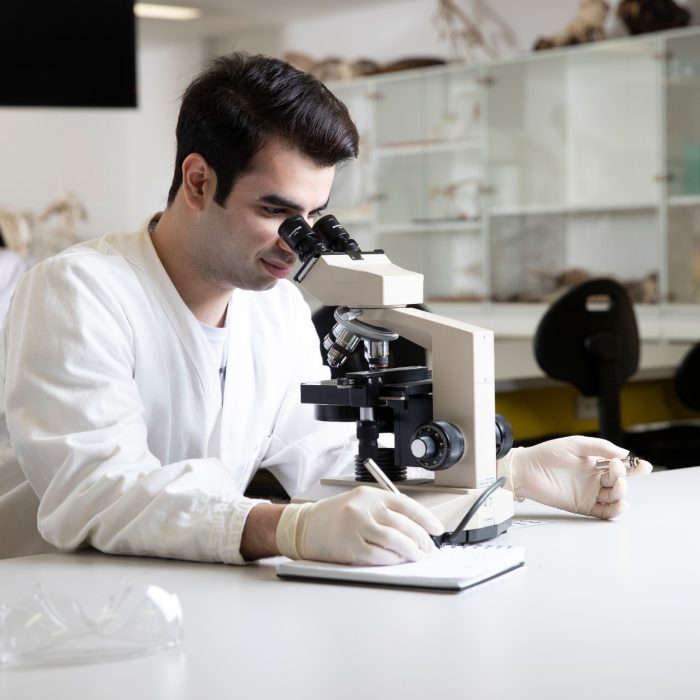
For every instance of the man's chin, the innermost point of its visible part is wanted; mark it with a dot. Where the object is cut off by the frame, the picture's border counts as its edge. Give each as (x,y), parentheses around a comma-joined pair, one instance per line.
(268,285)
(260,285)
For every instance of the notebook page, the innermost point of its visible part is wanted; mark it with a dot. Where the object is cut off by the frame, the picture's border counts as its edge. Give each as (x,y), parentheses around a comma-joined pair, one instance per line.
(448,567)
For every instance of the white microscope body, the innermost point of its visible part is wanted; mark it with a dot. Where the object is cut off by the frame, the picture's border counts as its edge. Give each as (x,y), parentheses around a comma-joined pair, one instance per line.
(463,430)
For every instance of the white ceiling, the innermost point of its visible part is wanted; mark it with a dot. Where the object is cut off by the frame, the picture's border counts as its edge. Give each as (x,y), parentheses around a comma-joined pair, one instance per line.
(224,15)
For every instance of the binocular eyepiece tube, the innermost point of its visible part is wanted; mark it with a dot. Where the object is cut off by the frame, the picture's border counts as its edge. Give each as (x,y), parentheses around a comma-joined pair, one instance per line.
(335,235)
(327,235)
(301,238)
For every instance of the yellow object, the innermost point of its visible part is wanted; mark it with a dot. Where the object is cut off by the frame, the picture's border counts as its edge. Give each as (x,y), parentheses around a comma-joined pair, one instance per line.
(535,413)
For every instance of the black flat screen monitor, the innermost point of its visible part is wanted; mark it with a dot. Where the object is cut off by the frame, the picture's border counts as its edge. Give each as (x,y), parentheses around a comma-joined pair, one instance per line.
(67,53)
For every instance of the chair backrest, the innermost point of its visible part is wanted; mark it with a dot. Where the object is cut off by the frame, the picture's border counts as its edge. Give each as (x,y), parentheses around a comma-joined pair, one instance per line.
(687,378)
(589,338)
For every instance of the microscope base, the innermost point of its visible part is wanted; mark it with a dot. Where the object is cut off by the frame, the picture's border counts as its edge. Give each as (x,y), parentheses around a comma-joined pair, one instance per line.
(448,503)
(481,534)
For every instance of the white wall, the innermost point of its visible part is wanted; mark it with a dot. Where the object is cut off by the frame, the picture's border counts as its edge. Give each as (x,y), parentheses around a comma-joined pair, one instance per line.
(117,161)
(397,30)
(165,69)
(48,151)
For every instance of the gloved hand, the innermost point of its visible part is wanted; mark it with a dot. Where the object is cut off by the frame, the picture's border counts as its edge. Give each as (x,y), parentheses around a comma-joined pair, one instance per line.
(562,473)
(366,525)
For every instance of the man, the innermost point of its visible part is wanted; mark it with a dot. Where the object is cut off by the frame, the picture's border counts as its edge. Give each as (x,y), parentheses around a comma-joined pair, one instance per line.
(148,376)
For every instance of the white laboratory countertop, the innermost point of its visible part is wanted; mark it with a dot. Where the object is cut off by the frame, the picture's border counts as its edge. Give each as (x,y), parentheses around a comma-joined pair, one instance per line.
(517,369)
(605,610)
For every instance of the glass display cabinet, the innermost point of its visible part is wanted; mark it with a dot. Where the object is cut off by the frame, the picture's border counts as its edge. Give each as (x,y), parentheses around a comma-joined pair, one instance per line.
(507,182)
(682,128)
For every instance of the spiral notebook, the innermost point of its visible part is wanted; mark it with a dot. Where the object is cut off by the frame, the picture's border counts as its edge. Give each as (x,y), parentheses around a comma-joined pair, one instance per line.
(451,568)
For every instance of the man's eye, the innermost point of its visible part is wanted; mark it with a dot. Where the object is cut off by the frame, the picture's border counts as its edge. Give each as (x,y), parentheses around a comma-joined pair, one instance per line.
(274,211)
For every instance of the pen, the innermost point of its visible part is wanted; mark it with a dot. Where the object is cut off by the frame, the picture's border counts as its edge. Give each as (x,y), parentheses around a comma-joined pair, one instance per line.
(380,477)
(630,462)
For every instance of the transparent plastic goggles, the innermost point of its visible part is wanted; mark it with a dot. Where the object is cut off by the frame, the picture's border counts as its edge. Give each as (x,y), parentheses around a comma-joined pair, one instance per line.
(55,629)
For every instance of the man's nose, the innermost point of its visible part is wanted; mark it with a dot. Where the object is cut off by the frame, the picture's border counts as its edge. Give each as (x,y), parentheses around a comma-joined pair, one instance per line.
(283,245)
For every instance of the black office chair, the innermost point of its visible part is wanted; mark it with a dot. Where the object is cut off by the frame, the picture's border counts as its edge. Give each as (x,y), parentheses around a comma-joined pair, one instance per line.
(589,338)
(687,379)
(677,445)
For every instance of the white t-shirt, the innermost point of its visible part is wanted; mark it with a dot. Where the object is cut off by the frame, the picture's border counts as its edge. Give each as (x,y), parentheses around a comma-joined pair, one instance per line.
(218,341)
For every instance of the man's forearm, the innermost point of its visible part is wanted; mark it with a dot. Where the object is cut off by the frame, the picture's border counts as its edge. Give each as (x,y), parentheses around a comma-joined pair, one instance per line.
(258,539)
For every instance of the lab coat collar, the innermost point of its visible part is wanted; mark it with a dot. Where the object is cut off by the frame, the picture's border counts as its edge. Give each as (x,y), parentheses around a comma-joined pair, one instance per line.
(179,314)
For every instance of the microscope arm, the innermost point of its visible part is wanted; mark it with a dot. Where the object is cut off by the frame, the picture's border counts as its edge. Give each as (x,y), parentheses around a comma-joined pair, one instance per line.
(463,385)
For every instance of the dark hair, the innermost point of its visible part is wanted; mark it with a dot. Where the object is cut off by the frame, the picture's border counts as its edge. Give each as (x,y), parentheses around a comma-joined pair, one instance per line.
(232,108)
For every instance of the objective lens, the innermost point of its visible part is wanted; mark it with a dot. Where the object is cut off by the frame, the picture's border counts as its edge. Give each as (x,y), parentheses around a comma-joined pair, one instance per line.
(301,238)
(377,354)
(339,345)
(335,236)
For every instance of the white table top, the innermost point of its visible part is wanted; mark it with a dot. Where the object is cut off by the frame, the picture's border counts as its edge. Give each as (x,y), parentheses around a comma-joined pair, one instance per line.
(600,610)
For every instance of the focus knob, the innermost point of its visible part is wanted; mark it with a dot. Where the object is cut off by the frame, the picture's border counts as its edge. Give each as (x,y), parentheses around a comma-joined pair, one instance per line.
(423,447)
(437,445)
(504,436)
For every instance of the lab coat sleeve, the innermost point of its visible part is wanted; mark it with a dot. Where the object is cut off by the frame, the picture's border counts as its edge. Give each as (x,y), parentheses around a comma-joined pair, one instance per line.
(77,425)
(302,449)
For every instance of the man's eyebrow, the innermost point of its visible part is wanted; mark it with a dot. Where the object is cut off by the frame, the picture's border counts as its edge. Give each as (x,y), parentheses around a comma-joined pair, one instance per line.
(280,201)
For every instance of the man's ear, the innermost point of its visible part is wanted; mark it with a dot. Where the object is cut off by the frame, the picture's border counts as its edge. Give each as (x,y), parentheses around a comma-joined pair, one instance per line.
(198,181)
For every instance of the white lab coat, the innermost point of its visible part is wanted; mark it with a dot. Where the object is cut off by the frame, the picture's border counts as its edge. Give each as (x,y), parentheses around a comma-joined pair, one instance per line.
(12,267)
(114,423)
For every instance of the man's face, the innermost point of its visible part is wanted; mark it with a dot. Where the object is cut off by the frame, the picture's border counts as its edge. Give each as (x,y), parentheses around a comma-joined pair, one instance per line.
(237,245)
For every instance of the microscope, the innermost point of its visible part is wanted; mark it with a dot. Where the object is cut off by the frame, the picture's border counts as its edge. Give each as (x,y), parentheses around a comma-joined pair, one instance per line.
(443,419)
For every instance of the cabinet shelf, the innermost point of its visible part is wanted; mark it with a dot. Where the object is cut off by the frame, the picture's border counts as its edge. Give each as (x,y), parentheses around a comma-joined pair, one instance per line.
(693,83)
(457,225)
(685,200)
(394,150)
(556,209)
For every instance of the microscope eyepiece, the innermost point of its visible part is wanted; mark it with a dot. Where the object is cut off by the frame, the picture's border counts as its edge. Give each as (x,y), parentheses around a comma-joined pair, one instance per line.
(334,234)
(301,238)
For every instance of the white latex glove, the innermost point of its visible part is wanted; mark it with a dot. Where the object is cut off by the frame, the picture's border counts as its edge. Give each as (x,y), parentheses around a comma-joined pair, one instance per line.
(366,525)
(562,473)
